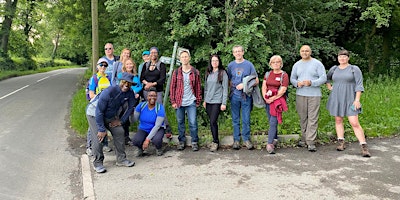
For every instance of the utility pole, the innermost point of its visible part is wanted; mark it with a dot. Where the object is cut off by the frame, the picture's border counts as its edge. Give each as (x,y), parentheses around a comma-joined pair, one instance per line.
(95,34)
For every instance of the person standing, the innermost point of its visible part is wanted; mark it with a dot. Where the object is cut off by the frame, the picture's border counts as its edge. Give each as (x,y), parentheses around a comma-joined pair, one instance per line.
(273,89)
(106,118)
(240,102)
(110,57)
(117,68)
(308,74)
(215,95)
(185,96)
(344,99)
(146,58)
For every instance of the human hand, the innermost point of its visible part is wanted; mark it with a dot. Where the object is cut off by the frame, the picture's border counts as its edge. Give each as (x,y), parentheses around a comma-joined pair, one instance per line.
(101,135)
(223,107)
(115,123)
(357,105)
(204,104)
(300,84)
(146,144)
(175,106)
(239,87)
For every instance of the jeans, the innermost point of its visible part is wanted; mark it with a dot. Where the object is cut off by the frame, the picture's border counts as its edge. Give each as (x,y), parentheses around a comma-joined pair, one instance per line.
(191,111)
(213,110)
(273,126)
(244,105)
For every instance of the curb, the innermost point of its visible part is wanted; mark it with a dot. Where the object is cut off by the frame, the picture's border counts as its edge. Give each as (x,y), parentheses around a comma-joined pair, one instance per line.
(87,182)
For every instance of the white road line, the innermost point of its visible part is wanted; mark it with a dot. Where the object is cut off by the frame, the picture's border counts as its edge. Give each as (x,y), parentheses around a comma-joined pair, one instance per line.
(13,92)
(42,79)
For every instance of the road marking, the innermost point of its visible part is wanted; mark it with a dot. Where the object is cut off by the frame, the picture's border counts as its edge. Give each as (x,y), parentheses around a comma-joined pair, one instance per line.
(13,92)
(42,79)
(87,183)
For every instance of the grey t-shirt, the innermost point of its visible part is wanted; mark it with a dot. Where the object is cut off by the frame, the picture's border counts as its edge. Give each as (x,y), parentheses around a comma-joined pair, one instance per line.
(188,96)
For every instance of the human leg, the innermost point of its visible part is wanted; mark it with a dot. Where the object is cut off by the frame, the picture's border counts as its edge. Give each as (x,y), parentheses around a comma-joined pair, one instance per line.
(273,126)
(97,146)
(193,126)
(359,132)
(139,138)
(246,109)
(119,141)
(340,133)
(235,111)
(158,137)
(301,108)
(213,111)
(312,124)
(180,117)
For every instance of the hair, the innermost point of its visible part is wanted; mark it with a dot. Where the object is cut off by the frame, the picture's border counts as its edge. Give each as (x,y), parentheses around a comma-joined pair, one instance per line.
(238,46)
(121,58)
(221,68)
(151,48)
(109,43)
(276,57)
(344,52)
(152,89)
(134,70)
(184,51)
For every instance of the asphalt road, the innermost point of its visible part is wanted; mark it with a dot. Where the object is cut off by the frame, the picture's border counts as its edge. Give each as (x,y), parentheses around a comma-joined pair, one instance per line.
(35,158)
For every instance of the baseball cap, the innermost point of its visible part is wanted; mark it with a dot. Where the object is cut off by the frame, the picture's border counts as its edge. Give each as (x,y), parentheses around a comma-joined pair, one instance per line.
(102,60)
(146,53)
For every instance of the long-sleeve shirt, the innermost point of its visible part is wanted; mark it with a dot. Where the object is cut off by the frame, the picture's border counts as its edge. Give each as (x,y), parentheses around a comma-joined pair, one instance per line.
(215,91)
(312,70)
(158,75)
(177,87)
(109,103)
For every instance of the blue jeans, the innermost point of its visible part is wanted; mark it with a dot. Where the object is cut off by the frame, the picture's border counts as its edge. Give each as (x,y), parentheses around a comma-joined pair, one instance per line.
(273,126)
(244,105)
(191,111)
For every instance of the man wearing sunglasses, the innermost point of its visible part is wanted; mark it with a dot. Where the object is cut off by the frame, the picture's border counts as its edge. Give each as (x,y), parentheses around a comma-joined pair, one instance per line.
(110,57)
(107,118)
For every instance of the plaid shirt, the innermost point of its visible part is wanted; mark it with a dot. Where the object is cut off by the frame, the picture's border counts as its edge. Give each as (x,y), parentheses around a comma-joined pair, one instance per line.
(176,87)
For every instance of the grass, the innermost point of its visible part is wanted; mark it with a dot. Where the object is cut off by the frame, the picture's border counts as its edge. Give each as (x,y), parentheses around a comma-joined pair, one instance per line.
(381,111)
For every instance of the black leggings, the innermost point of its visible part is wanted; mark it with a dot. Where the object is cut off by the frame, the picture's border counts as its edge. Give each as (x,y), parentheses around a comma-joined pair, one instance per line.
(213,110)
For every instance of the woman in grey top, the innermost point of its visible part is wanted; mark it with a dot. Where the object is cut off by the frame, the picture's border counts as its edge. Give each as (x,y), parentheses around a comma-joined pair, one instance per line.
(215,95)
(344,99)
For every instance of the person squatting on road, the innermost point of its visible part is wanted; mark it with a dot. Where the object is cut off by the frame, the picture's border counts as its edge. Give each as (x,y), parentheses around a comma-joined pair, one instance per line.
(106,118)
(344,99)
(273,90)
(308,74)
(150,115)
(215,95)
(185,96)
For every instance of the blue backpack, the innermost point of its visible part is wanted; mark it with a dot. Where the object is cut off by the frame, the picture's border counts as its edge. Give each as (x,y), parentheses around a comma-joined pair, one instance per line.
(96,80)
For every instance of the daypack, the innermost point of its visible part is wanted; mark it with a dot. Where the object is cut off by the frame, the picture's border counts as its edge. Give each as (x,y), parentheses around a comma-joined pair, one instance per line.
(147,64)
(96,80)
(144,104)
(329,76)
(283,73)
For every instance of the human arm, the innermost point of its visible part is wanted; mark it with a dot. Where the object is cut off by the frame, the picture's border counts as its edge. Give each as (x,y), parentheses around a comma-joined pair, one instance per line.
(172,92)
(131,102)
(197,87)
(225,86)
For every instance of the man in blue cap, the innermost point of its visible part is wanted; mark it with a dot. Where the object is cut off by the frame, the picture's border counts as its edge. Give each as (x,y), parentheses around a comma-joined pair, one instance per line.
(107,117)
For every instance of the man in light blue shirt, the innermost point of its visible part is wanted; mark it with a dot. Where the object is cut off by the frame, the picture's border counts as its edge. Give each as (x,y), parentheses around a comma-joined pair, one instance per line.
(308,74)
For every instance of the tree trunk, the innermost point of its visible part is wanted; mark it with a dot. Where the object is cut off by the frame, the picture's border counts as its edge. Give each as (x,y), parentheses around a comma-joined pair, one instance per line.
(53,54)
(10,9)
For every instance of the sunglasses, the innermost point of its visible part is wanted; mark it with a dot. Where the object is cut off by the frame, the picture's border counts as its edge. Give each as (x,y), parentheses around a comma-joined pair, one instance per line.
(126,82)
(103,65)
(107,48)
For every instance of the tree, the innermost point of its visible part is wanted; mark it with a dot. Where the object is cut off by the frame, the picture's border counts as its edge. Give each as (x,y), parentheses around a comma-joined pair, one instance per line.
(9,8)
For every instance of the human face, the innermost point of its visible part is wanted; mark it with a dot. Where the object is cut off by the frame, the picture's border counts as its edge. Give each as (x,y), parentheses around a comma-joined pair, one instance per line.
(152,97)
(238,52)
(343,59)
(184,58)
(108,49)
(153,54)
(146,58)
(102,67)
(305,52)
(129,66)
(126,54)
(125,85)
(214,62)
(275,64)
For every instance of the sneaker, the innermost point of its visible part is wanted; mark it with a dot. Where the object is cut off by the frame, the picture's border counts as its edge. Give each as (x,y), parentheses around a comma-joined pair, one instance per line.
(159,152)
(341,145)
(214,147)
(89,152)
(107,149)
(312,148)
(364,151)
(138,151)
(127,141)
(271,148)
(301,144)
(249,145)
(195,147)
(181,146)
(236,145)
(125,163)
(100,169)
(275,142)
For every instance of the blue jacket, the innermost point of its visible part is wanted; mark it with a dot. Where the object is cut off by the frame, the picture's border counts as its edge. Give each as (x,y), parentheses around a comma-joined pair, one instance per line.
(109,103)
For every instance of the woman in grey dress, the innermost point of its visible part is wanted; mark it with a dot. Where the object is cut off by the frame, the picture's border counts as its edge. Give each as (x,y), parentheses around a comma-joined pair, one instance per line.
(344,99)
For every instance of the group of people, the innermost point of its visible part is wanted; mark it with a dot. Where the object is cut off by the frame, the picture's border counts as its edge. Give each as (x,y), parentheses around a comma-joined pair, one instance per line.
(123,86)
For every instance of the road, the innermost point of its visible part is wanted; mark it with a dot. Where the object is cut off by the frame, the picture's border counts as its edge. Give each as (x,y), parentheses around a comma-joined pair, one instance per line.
(36,161)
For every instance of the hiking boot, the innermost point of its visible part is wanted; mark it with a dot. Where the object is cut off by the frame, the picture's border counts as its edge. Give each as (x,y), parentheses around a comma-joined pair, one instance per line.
(159,152)
(236,145)
(89,152)
(341,145)
(195,147)
(249,145)
(275,142)
(100,169)
(181,146)
(271,148)
(214,147)
(125,163)
(301,144)
(107,149)
(364,151)
(312,148)
(138,151)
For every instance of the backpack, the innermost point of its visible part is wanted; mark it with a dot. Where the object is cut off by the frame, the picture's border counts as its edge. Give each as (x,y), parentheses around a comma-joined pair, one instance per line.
(96,80)
(147,64)
(283,73)
(144,104)
(329,76)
